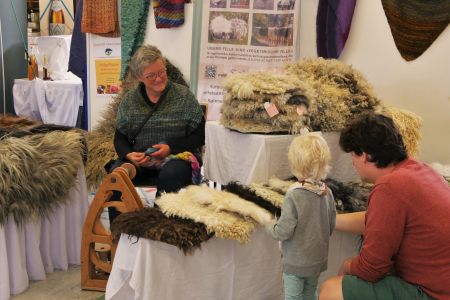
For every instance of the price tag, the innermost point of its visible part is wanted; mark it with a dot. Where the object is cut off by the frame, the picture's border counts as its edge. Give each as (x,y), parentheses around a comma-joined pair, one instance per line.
(301,110)
(271,109)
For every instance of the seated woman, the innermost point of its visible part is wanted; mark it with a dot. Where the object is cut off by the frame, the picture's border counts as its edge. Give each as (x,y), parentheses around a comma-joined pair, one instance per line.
(162,115)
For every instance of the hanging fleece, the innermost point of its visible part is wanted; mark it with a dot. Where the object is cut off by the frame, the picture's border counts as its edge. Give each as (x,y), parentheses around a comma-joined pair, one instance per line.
(334,18)
(169,13)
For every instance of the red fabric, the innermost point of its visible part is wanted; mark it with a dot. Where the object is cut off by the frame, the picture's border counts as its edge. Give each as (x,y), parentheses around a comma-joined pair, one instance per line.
(407,227)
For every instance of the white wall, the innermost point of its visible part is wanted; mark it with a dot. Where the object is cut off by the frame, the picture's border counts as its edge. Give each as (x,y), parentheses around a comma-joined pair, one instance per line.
(421,86)
(175,44)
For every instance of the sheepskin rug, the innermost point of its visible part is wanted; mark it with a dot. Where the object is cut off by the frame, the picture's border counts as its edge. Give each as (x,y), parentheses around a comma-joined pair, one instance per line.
(243,104)
(38,169)
(342,92)
(223,213)
(100,139)
(151,223)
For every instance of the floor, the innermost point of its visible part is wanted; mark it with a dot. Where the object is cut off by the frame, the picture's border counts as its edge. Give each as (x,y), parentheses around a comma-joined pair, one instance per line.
(58,285)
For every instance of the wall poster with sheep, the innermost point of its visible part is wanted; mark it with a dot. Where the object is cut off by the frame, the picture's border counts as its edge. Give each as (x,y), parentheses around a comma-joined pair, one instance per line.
(239,36)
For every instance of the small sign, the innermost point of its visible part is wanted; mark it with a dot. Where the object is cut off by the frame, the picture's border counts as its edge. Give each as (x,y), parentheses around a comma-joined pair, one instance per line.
(271,109)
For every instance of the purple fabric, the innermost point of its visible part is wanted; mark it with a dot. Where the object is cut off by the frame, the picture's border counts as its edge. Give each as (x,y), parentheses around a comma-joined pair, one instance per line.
(334,18)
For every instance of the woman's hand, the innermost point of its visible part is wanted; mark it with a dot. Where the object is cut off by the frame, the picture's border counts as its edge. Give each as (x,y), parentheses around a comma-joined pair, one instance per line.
(163,152)
(138,158)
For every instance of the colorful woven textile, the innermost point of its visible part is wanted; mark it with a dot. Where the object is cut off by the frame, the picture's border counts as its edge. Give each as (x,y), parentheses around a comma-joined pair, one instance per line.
(195,166)
(169,13)
(415,24)
(100,17)
(334,18)
(133,24)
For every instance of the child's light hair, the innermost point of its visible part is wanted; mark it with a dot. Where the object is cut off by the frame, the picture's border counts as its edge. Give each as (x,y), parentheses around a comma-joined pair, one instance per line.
(309,156)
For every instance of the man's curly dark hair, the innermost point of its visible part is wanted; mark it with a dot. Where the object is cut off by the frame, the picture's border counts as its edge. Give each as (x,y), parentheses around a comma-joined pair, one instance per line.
(376,135)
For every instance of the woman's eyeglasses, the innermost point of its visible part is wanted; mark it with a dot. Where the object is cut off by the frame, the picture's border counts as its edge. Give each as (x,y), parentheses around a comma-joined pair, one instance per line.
(152,76)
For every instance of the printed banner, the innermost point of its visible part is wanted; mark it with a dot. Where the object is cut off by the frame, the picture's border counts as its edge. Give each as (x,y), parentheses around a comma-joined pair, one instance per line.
(240,36)
(106,54)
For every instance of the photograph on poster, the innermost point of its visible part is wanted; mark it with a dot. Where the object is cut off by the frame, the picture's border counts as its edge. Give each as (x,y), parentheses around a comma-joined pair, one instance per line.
(286,4)
(240,4)
(228,28)
(263,4)
(271,30)
(218,3)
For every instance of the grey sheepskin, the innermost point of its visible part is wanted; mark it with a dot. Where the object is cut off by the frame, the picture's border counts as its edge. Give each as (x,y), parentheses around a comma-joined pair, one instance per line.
(151,223)
(100,139)
(37,172)
(342,92)
(245,94)
(349,196)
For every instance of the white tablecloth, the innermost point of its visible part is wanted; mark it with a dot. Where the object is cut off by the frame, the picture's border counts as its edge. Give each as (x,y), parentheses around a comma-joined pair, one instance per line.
(52,102)
(222,269)
(40,246)
(247,158)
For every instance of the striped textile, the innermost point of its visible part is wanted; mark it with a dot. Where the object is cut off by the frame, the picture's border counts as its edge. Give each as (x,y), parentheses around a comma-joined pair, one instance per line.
(415,24)
(169,13)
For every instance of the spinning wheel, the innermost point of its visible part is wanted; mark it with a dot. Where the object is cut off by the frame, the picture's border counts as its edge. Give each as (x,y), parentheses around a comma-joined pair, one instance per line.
(95,268)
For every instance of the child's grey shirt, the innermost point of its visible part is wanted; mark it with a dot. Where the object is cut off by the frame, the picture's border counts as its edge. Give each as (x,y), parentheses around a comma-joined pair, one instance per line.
(304,227)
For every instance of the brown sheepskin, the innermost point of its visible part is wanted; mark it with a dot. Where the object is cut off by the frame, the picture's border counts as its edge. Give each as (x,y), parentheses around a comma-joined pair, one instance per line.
(151,223)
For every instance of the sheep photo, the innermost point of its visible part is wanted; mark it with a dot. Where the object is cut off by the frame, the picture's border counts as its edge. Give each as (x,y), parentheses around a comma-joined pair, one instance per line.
(218,3)
(272,30)
(263,4)
(240,4)
(228,28)
(286,4)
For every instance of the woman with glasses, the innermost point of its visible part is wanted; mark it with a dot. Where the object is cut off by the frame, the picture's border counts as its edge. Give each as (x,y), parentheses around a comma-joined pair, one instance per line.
(155,121)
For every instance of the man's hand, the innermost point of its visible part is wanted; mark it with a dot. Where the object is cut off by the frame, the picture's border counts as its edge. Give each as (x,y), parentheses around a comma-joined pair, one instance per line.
(345,267)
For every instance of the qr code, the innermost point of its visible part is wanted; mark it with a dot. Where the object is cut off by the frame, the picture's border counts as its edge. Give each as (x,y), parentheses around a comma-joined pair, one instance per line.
(210,71)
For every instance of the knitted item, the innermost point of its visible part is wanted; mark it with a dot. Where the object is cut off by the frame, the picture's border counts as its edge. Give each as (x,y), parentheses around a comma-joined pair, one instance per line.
(100,17)
(334,18)
(415,24)
(169,13)
(133,24)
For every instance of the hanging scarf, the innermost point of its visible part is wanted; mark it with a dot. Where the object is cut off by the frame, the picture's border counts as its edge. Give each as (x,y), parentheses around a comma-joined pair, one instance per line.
(334,18)
(415,24)
(133,23)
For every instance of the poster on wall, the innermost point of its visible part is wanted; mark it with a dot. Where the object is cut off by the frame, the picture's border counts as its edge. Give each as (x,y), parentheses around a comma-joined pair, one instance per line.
(240,36)
(107,73)
(106,55)
(56,17)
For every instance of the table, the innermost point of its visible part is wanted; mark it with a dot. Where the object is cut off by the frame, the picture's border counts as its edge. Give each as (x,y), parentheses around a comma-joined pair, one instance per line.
(29,252)
(255,158)
(222,269)
(52,102)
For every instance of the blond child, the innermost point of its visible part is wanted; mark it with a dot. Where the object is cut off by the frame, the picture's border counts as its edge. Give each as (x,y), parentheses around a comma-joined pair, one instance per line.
(307,217)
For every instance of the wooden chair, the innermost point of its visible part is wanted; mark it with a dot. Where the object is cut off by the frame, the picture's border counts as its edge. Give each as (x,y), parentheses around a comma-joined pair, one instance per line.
(95,266)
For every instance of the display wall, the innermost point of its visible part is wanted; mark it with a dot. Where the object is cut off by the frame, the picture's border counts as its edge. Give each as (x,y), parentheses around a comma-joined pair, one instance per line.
(421,86)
